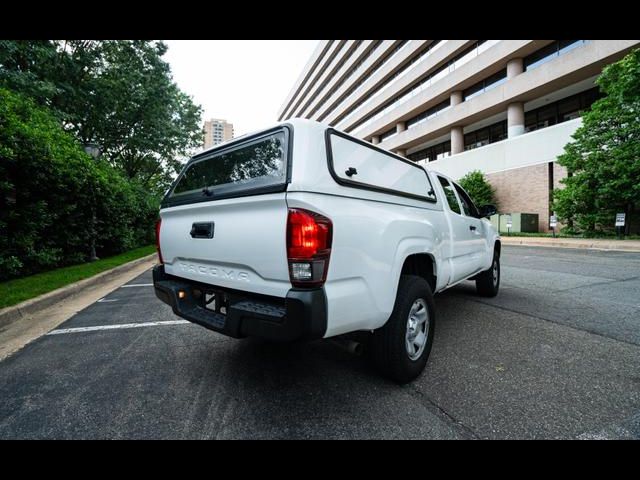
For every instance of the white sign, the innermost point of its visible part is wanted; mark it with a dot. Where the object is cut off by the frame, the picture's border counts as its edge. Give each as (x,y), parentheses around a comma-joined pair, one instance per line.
(509,224)
(553,221)
(620,219)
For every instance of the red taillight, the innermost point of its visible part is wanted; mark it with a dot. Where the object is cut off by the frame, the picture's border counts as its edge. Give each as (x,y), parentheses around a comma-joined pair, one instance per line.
(158,223)
(309,236)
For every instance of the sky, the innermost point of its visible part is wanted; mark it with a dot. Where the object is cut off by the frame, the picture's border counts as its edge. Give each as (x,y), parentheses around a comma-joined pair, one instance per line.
(242,81)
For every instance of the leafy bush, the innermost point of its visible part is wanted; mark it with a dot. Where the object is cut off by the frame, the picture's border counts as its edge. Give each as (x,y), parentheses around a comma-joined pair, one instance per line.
(478,188)
(48,190)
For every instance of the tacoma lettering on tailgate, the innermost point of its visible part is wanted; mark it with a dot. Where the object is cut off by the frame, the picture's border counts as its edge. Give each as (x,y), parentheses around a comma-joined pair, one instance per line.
(216,272)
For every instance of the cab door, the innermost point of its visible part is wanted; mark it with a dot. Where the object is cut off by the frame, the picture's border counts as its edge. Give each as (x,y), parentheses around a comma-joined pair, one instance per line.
(466,255)
(477,228)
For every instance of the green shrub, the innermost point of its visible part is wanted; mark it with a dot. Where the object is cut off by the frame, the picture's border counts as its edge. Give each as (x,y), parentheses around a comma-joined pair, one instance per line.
(478,188)
(48,189)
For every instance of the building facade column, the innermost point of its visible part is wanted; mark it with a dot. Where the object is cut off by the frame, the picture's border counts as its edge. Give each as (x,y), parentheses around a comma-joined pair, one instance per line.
(402,152)
(515,66)
(401,127)
(456,97)
(515,111)
(457,140)
(375,139)
(515,119)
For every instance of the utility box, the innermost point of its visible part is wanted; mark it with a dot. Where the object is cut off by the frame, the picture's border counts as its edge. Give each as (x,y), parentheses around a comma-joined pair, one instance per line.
(520,222)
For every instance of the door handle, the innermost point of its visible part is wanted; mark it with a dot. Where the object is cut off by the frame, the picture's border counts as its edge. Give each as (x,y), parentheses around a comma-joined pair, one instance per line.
(202,230)
(472,228)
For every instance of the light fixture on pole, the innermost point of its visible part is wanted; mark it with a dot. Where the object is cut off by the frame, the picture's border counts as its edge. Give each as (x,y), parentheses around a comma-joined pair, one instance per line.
(93,150)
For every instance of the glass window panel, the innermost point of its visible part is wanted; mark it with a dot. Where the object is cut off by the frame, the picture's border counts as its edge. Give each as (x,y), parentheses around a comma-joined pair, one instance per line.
(260,163)
(377,168)
(469,140)
(465,206)
(483,136)
(569,108)
(473,91)
(541,56)
(566,45)
(469,207)
(450,195)
(547,116)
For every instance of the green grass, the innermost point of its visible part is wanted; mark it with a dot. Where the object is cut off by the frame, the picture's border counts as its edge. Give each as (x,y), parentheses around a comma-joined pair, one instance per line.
(21,289)
(563,235)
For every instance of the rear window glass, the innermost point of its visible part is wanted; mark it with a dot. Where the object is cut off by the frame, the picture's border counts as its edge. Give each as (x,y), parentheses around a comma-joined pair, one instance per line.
(260,163)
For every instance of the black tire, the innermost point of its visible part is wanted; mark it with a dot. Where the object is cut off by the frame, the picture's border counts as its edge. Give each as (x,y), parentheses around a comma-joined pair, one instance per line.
(388,347)
(486,284)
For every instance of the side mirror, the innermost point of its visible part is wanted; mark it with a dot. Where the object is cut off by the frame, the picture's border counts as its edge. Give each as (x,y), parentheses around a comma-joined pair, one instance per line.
(487,210)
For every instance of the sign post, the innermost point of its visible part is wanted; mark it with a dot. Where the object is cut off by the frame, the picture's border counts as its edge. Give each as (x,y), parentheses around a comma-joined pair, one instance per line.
(509,224)
(552,223)
(620,220)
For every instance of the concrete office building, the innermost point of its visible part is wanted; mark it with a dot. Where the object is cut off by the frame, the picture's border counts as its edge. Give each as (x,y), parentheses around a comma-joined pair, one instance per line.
(506,107)
(217,131)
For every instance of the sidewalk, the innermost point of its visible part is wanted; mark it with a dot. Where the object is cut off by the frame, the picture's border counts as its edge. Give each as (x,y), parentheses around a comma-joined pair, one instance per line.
(22,323)
(589,243)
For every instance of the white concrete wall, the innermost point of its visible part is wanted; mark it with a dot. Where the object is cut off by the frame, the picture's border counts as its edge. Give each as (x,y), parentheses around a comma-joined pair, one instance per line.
(539,146)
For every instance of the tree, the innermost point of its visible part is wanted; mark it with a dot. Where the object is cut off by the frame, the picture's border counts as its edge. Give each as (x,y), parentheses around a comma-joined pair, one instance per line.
(119,94)
(43,190)
(603,160)
(48,186)
(478,188)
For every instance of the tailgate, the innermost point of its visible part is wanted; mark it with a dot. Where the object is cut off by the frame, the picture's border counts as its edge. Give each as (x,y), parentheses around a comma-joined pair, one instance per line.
(246,251)
(224,219)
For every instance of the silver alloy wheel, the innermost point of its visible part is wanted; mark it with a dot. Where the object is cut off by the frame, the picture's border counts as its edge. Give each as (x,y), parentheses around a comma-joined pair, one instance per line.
(495,272)
(417,329)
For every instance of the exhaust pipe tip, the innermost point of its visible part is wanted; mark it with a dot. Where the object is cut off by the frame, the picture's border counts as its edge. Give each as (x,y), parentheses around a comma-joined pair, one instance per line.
(350,346)
(356,348)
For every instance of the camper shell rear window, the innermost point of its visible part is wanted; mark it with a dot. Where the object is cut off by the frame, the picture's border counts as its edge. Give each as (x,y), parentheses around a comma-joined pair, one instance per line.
(254,165)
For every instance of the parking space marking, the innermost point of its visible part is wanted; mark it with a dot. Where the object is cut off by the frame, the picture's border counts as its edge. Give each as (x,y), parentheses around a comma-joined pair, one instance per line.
(103,300)
(137,285)
(115,327)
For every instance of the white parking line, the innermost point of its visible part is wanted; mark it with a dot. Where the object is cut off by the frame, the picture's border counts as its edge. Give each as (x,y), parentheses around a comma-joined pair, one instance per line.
(103,300)
(137,285)
(115,327)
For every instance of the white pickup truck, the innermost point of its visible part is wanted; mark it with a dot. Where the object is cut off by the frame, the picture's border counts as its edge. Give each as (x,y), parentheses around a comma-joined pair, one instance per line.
(304,232)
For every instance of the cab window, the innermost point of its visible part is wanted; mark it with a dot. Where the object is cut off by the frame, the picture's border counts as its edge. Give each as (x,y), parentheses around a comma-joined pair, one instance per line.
(450,195)
(468,206)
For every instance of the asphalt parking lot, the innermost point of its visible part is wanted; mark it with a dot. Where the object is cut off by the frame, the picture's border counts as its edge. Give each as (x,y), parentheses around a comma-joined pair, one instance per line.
(555,355)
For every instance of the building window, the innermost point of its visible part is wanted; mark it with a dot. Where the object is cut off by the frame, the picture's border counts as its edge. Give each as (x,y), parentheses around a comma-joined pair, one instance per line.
(429,154)
(428,114)
(485,85)
(485,136)
(550,52)
(375,68)
(401,72)
(469,53)
(389,133)
(560,111)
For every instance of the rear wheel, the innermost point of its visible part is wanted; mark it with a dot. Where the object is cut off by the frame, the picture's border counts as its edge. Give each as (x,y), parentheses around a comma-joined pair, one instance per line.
(488,282)
(400,348)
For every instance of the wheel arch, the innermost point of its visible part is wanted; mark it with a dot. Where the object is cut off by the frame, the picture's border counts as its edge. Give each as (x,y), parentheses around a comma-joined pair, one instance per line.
(422,265)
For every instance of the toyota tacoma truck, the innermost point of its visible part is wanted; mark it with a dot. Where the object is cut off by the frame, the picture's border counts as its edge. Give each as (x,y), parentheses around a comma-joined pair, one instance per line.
(302,232)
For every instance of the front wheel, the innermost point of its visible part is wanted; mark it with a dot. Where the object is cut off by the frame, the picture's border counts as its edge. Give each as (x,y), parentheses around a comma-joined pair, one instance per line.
(400,348)
(488,282)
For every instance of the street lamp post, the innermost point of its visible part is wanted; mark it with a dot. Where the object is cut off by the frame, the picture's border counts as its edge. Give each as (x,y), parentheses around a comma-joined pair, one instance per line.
(93,150)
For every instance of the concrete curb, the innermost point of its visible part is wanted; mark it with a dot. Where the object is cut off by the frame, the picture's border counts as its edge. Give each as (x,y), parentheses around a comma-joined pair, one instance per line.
(9,315)
(586,244)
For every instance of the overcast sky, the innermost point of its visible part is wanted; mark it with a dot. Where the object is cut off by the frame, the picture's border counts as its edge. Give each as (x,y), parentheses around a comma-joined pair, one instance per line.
(241,81)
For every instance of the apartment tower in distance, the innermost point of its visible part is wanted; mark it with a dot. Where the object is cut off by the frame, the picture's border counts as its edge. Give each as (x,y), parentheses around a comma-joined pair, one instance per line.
(505,107)
(217,131)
